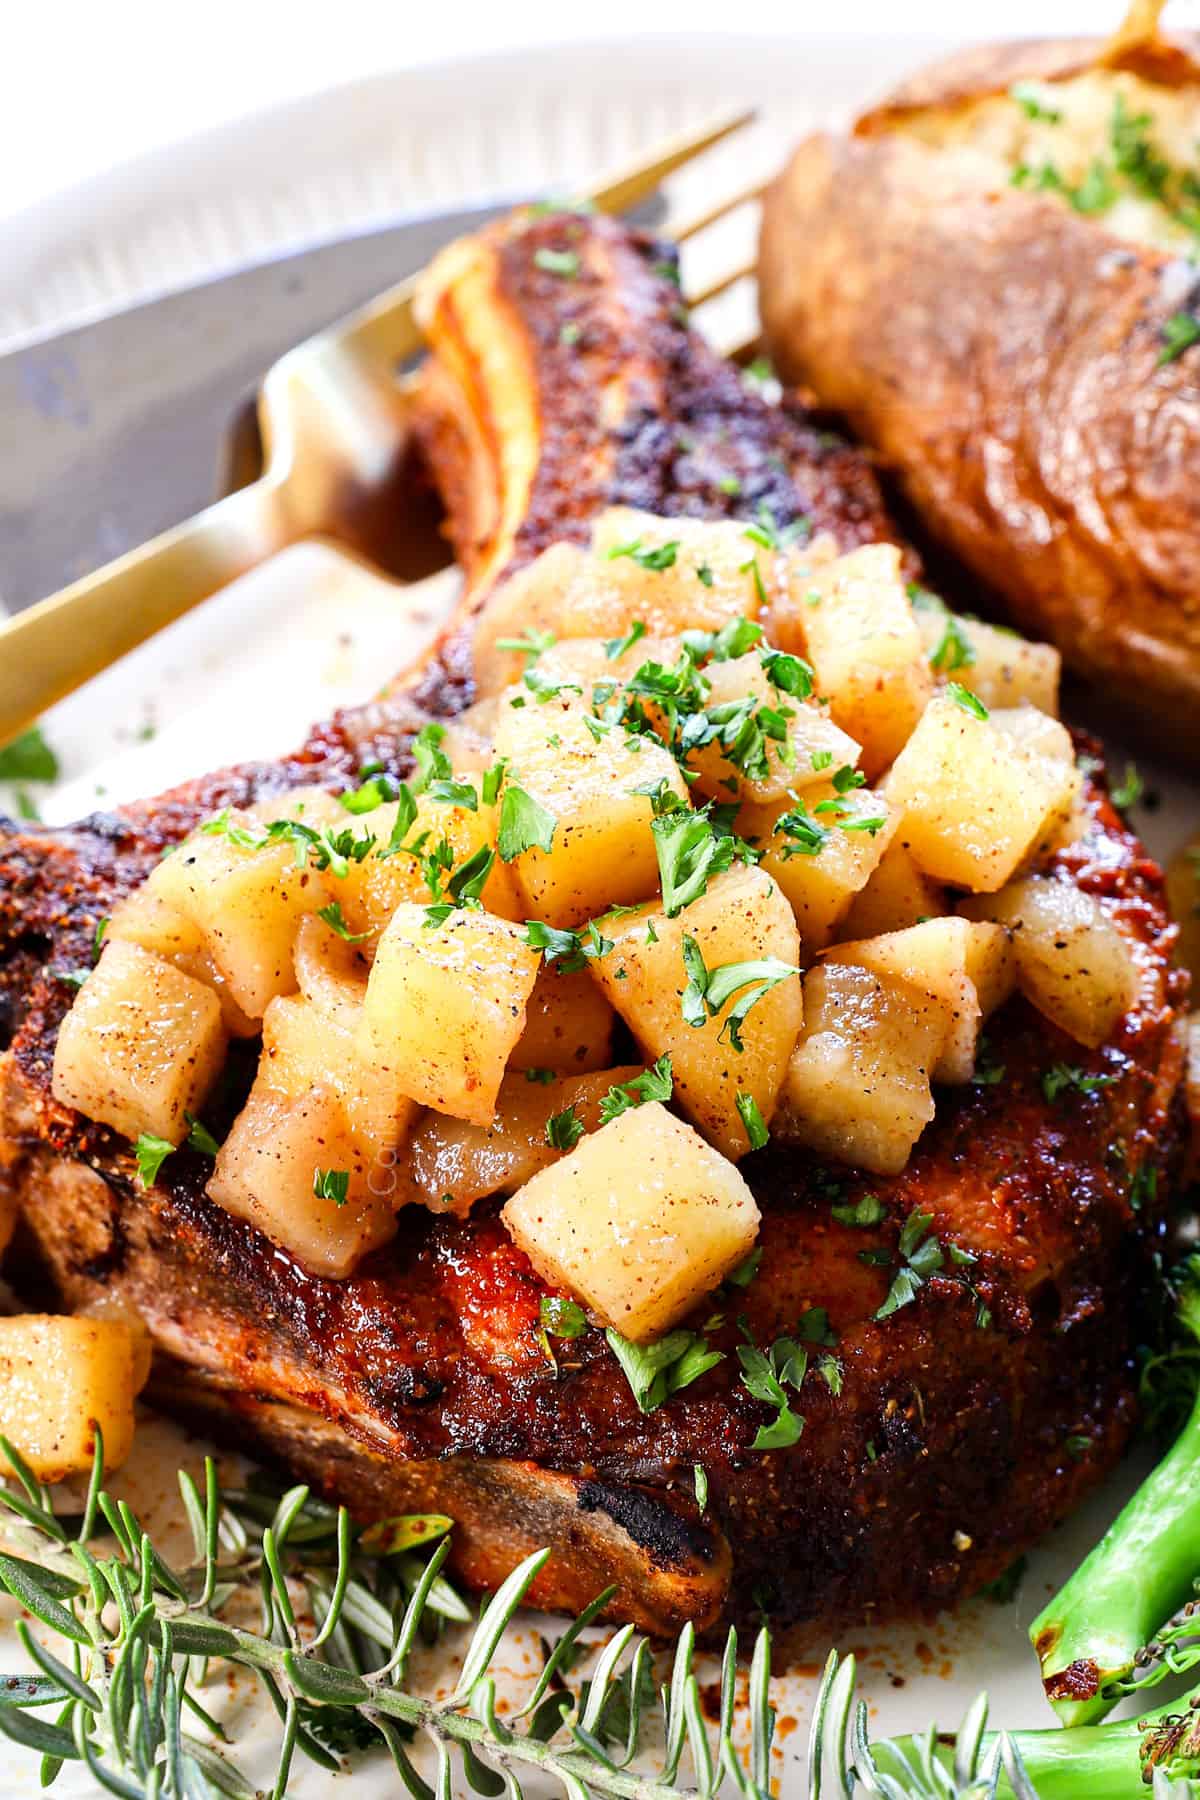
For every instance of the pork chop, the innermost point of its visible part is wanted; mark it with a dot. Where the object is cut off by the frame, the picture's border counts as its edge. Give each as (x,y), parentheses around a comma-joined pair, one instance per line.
(964,1425)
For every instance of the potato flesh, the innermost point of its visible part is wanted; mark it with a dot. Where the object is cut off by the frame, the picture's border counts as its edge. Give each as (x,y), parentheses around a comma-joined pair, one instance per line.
(266,1171)
(640,1221)
(372,889)
(858,1084)
(821,888)
(896,894)
(1073,962)
(1003,668)
(742,916)
(974,802)
(60,1379)
(968,968)
(603,852)
(449,1164)
(141,1046)
(811,734)
(863,642)
(568,1024)
(445,1007)
(248,903)
(145,918)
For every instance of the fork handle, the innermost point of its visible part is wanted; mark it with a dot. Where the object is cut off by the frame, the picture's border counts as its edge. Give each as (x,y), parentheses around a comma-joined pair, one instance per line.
(51,648)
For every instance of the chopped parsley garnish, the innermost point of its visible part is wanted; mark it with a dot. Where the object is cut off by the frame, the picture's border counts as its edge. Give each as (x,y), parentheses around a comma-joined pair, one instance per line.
(752,1119)
(151,1153)
(524,824)
(953,649)
(655,557)
(331,1184)
(28,758)
(729,484)
(377,790)
(1062,1078)
(656,1371)
(1129,789)
(531,645)
(1032,103)
(334,918)
(921,1256)
(454,793)
(987,1071)
(564,1129)
(564,263)
(1134,153)
(969,702)
(689,853)
(708,991)
(561,1317)
(790,674)
(655,1083)
(200,1138)
(574,949)
(1143,1189)
(765,1375)
(746,1270)
(869,1210)
(770,536)
(700,1482)
(616,647)
(1179,333)
(432,762)
(542,1077)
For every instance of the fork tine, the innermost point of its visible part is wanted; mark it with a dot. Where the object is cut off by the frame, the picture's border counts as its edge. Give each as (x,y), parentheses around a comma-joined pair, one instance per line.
(639,179)
(701,221)
(385,327)
(722,283)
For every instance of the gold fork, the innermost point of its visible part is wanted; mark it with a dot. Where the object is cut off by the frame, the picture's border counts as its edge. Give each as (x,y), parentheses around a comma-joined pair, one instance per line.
(332,421)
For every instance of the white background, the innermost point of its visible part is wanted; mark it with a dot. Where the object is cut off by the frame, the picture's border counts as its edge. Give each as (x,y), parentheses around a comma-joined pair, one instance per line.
(84,85)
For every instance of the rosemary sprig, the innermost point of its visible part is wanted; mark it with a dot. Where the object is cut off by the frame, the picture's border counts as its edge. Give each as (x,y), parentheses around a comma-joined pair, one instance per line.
(139,1630)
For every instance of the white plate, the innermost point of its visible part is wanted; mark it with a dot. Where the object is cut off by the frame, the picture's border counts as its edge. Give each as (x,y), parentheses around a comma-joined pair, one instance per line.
(245,674)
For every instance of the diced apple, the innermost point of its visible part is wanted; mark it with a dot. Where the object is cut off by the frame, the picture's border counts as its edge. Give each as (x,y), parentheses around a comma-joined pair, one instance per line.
(967,967)
(568,1025)
(470,738)
(812,738)
(1073,962)
(603,851)
(1043,737)
(585,663)
(330,971)
(896,894)
(112,1308)
(1002,667)
(975,803)
(445,1007)
(858,1084)
(863,642)
(145,918)
(372,889)
(449,1164)
(307,1046)
(247,901)
(821,885)
(60,1379)
(540,601)
(743,917)
(640,1221)
(709,580)
(280,1170)
(141,1046)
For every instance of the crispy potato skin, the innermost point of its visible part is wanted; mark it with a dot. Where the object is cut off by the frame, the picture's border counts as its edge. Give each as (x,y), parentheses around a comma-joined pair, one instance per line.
(1000,354)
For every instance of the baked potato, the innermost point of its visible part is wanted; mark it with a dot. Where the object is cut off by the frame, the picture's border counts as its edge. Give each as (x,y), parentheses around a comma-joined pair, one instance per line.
(989,278)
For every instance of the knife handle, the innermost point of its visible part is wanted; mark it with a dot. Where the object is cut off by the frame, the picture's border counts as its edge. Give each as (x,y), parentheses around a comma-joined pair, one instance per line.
(50,648)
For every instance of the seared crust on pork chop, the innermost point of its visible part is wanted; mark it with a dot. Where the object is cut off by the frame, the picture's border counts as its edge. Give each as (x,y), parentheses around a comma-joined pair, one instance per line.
(420,1381)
